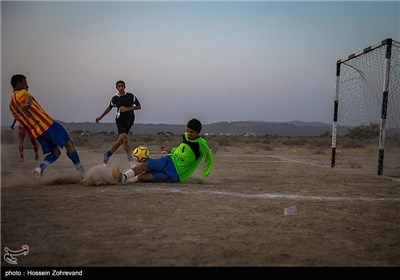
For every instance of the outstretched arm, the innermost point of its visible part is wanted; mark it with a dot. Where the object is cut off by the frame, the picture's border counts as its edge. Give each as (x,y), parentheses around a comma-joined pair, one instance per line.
(106,111)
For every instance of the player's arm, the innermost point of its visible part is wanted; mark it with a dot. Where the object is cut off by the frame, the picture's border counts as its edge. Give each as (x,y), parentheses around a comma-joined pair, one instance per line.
(163,150)
(12,126)
(28,103)
(130,108)
(208,159)
(135,106)
(107,110)
(26,100)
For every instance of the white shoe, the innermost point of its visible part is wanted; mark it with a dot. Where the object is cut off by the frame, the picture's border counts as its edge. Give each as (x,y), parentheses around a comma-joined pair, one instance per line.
(38,172)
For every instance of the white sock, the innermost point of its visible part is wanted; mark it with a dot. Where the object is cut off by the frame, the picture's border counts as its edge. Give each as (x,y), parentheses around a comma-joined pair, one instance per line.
(130,173)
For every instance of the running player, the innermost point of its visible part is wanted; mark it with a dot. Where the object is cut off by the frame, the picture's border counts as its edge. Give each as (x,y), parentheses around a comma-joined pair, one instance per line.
(126,103)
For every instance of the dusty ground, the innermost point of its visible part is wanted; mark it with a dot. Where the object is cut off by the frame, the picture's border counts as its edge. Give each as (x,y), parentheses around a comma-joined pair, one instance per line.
(346,216)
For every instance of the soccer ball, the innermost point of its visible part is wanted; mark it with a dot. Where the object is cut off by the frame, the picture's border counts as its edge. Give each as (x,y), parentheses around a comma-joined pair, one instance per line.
(140,154)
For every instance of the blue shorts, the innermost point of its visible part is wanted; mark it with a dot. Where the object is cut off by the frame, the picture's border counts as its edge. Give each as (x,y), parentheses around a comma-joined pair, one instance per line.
(55,136)
(162,169)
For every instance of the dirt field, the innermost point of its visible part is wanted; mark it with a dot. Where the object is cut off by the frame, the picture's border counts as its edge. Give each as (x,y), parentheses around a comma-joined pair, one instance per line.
(345,216)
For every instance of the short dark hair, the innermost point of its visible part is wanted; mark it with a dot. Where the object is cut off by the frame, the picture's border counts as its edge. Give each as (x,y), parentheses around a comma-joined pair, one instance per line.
(17,78)
(120,82)
(194,124)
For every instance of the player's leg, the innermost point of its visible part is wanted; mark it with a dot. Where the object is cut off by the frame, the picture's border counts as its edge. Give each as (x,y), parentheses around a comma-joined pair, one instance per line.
(127,150)
(153,170)
(120,177)
(56,135)
(21,149)
(123,129)
(125,147)
(121,135)
(35,145)
(125,144)
(73,156)
(146,177)
(60,137)
(21,137)
(51,152)
(113,148)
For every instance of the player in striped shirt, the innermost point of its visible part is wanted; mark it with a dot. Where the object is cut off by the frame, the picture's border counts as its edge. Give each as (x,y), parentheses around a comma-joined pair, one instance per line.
(48,132)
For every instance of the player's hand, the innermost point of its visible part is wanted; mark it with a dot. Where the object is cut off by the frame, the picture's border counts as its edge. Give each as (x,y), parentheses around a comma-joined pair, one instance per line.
(123,109)
(163,150)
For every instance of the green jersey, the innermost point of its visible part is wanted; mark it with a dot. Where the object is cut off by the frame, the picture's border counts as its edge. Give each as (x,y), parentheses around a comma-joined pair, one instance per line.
(187,156)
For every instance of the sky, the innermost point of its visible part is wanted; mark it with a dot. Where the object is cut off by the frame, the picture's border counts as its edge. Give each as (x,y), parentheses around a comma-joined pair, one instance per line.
(215,61)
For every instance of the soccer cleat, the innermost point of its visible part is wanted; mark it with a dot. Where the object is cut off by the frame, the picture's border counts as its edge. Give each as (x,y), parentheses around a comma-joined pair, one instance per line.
(38,172)
(36,156)
(105,160)
(116,175)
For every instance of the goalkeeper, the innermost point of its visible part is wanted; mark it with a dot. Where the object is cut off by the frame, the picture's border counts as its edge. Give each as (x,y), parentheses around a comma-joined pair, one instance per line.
(175,167)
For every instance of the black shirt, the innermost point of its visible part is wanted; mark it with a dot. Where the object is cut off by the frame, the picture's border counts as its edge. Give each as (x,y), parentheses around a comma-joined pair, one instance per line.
(126,100)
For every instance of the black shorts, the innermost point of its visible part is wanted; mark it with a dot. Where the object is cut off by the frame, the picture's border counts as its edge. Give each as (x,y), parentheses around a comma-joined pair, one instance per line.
(123,126)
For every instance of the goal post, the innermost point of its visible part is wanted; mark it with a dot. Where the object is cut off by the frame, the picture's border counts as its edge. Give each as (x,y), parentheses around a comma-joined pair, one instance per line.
(366,119)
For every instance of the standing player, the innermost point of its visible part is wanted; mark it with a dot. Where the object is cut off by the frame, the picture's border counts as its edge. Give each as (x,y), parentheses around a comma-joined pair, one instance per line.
(48,132)
(126,103)
(178,165)
(22,132)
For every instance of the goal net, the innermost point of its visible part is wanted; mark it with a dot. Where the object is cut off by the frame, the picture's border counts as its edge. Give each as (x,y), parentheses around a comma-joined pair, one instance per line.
(366,122)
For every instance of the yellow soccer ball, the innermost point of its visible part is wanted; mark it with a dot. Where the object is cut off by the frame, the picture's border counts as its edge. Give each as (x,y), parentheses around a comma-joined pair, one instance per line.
(141,154)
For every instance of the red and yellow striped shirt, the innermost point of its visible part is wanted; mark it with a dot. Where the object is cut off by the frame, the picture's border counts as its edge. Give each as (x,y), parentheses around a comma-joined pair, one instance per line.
(35,118)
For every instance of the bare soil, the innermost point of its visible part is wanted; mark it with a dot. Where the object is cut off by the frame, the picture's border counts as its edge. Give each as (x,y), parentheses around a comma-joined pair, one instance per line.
(345,216)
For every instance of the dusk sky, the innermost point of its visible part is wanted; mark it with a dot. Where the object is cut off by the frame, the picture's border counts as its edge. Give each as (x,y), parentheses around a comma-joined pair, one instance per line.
(216,61)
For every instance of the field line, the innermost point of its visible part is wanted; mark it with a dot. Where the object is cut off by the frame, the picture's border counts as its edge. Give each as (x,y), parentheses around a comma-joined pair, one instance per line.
(269,195)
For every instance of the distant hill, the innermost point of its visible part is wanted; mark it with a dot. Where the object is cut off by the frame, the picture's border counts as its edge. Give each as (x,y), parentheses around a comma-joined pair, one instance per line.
(295,128)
